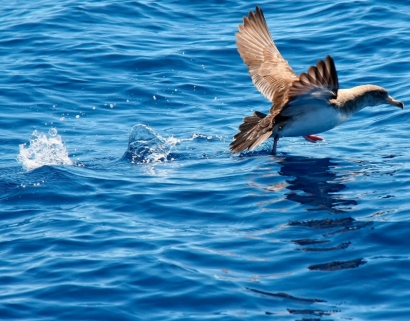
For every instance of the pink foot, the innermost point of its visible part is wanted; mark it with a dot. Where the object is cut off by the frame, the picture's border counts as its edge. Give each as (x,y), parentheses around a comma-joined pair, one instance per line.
(312,138)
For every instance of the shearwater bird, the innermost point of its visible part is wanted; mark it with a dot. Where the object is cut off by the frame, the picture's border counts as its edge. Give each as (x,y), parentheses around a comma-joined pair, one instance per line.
(303,105)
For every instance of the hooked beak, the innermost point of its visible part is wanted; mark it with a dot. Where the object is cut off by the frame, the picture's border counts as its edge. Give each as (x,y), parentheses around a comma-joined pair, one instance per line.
(393,102)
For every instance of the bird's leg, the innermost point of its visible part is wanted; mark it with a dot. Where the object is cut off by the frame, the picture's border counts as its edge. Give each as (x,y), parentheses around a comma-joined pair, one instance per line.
(275,143)
(312,138)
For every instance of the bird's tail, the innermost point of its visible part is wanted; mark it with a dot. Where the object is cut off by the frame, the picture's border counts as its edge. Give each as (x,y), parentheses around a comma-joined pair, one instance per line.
(254,131)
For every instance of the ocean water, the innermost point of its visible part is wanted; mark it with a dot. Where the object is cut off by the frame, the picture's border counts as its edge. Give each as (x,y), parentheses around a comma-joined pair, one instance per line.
(120,199)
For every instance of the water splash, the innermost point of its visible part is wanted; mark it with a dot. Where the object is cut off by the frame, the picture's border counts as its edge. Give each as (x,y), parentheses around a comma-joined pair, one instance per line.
(43,150)
(146,146)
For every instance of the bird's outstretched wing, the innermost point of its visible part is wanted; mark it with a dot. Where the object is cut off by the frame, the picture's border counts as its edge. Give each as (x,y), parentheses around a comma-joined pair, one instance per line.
(270,73)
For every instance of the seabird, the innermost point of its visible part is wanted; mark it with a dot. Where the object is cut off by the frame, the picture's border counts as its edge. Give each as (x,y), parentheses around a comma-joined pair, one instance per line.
(303,105)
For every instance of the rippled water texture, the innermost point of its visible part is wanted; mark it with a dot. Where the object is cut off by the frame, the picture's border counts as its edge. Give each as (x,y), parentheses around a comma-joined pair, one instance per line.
(120,199)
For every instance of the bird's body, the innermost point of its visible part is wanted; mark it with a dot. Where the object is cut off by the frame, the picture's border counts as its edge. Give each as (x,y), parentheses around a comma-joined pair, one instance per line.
(303,105)
(319,119)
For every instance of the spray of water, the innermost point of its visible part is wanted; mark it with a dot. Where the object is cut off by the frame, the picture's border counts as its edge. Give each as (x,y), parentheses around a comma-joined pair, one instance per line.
(43,150)
(146,146)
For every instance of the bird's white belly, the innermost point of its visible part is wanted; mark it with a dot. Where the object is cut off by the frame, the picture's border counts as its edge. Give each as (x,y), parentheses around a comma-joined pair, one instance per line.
(314,122)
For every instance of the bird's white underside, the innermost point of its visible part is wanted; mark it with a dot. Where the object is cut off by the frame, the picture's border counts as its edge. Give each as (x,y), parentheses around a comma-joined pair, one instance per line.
(312,120)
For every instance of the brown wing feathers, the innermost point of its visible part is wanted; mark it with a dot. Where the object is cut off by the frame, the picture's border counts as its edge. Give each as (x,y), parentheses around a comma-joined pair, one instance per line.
(270,74)
(323,76)
(258,51)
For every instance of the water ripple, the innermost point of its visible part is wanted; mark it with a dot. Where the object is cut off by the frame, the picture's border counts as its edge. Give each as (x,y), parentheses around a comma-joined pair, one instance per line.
(158,220)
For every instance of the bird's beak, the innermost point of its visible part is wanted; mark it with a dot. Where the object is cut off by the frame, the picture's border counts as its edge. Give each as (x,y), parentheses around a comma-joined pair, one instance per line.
(393,102)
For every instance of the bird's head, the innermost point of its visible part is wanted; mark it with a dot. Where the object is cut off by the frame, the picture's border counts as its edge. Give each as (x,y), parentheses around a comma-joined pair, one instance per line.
(376,95)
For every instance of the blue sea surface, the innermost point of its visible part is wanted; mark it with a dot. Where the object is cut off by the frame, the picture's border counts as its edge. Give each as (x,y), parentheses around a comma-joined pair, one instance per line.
(120,199)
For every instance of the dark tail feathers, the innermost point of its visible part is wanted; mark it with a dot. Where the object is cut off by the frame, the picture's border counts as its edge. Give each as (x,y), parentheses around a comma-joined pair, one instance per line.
(252,133)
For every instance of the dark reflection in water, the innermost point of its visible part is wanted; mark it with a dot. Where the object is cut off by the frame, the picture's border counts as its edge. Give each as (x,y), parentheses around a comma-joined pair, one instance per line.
(314,183)
(285,296)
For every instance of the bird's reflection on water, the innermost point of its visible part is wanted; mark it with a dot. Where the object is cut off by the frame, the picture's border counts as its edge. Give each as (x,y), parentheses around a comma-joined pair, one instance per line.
(326,223)
(316,184)
(313,182)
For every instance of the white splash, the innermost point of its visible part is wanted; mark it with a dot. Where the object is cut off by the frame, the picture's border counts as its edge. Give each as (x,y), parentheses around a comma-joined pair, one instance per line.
(43,150)
(147,146)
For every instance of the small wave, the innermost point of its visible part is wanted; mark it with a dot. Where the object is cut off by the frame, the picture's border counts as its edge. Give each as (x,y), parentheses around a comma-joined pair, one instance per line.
(147,146)
(44,150)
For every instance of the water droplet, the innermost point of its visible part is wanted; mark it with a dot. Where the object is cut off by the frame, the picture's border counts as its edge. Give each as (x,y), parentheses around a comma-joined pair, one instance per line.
(93,107)
(62,118)
(52,132)
(78,116)
(155,98)
(34,135)
(112,105)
